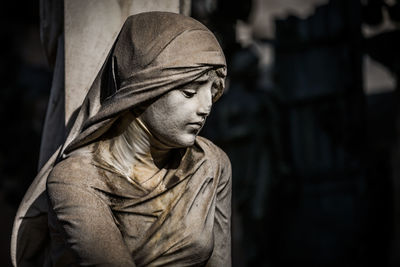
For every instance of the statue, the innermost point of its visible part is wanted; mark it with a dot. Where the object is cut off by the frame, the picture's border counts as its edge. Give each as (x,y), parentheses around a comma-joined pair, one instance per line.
(133,184)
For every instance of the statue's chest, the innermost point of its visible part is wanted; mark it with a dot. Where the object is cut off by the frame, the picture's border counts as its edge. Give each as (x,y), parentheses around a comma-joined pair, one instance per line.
(179,222)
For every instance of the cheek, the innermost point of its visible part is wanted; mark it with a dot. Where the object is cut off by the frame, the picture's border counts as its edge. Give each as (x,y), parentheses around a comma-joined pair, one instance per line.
(162,110)
(168,114)
(167,118)
(178,108)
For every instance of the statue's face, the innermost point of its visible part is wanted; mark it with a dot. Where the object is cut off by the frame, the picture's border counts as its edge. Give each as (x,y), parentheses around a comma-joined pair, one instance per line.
(177,117)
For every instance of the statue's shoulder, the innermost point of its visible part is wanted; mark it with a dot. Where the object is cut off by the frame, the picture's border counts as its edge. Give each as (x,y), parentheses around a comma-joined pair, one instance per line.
(218,159)
(74,169)
(212,151)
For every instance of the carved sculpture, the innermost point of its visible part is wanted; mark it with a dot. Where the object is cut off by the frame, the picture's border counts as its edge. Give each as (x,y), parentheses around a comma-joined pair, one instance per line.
(133,184)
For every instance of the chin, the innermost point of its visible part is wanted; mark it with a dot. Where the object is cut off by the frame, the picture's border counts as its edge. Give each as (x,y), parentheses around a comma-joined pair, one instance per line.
(186,141)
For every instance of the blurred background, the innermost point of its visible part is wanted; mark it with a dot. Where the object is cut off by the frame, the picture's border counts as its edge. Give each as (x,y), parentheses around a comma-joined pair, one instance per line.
(310,121)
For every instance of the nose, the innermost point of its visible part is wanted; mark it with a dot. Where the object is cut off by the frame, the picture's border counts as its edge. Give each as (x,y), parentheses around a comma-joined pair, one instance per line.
(205,103)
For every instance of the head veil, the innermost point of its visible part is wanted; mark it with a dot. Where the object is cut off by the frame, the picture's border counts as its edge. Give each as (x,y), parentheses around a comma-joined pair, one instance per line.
(154,53)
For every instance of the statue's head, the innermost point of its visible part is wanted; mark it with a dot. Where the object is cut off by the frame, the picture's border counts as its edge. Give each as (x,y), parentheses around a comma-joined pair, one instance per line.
(179,57)
(168,63)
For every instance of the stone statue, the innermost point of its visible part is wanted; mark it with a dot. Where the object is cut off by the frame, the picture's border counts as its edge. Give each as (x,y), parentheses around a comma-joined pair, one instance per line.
(133,184)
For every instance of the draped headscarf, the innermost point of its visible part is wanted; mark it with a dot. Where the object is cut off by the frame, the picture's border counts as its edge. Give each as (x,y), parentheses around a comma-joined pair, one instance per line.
(154,53)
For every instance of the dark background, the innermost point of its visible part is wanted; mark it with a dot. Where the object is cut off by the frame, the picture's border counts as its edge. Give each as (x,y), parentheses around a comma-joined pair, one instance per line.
(311,128)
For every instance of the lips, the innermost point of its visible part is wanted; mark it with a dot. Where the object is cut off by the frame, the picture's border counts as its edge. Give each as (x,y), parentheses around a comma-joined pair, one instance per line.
(197,124)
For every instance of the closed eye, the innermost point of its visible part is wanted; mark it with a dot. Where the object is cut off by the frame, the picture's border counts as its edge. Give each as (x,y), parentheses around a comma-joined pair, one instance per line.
(189,93)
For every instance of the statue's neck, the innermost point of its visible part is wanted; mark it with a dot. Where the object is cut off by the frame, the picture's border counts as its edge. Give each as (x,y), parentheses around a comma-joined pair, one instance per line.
(136,153)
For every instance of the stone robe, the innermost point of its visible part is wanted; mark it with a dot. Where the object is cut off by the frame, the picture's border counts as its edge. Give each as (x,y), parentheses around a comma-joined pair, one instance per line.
(99,217)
